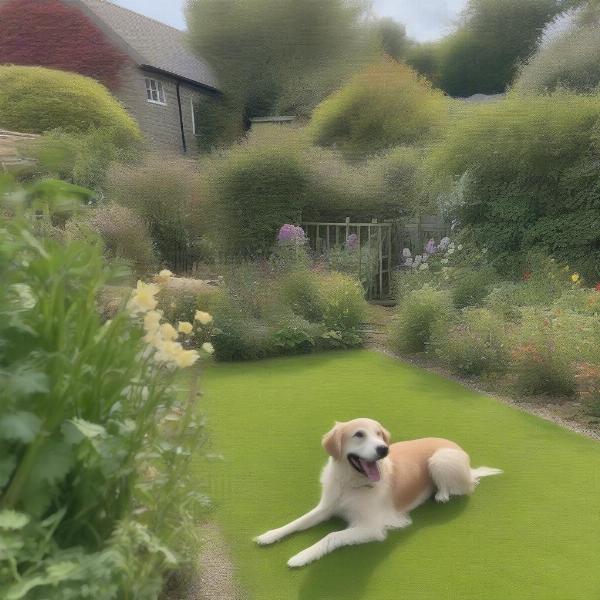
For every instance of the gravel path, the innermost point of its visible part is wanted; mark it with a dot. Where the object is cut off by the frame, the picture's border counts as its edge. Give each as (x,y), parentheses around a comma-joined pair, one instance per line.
(215,576)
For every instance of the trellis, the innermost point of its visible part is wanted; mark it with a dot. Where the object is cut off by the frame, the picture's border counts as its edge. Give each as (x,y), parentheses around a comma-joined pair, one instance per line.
(373,245)
(383,242)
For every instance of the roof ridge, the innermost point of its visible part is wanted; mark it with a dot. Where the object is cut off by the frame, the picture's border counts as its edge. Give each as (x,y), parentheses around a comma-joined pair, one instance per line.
(181,31)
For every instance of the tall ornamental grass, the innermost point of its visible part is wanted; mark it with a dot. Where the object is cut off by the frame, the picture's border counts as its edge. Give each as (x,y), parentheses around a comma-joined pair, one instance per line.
(94,439)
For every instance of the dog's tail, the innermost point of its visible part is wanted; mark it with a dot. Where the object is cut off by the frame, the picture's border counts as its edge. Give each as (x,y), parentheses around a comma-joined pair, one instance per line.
(479,472)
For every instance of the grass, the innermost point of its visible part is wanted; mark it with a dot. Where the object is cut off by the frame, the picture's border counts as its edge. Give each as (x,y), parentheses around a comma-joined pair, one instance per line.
(531,533)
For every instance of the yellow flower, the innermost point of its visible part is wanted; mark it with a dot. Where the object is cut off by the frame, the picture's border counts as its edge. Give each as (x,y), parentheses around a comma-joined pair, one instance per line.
(185,358)
(203,317)
(152,320)
(185,327)
(208,348)
(143,299)
(575,277)
(163,277)
(167,350)
(168,332)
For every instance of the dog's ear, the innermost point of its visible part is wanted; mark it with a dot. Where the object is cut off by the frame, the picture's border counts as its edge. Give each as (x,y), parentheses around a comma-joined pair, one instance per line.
(386,435)
(332,442)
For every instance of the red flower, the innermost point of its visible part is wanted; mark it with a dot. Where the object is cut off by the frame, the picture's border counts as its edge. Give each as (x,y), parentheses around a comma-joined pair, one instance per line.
(527,276)
(598,287)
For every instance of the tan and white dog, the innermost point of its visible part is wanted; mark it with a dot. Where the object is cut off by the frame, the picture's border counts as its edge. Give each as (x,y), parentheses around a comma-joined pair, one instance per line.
(374,485)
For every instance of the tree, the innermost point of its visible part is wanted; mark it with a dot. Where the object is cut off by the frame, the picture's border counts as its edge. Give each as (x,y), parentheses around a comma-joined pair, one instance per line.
(51,34)
(394,40)
(482,55)
(384,106)
(280,55)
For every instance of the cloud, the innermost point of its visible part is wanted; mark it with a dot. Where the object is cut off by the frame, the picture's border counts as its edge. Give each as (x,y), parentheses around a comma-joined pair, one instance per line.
(424,19)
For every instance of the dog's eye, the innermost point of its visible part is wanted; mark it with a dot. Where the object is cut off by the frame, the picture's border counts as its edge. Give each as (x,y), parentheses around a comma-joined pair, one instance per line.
(359,434)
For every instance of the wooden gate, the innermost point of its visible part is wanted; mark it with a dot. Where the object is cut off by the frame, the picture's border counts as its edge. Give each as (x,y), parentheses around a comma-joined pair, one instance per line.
(368,247)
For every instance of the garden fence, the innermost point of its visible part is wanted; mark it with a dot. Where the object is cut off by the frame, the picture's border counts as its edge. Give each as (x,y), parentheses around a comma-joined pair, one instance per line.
(378,246)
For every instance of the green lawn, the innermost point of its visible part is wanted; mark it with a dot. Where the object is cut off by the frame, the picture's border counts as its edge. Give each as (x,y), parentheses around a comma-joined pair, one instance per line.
(532,533)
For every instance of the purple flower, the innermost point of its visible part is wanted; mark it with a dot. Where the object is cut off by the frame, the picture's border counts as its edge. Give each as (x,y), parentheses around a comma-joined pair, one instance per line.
(291,234)
(351,242)
(431,248)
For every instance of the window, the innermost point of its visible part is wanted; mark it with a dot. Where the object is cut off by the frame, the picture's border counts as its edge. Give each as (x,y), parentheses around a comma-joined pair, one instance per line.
(154,91)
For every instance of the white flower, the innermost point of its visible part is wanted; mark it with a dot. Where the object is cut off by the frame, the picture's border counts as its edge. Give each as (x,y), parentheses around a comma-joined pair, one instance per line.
(408,262)
(406,253)
(460,247)
(418,260)
(450,251)
(163,277)
(208,348)
(424,267)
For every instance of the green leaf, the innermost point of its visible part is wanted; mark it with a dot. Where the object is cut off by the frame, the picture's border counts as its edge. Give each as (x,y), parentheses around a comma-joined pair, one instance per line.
(7,466)
(53,463)
(20,427)
(62,570)
(26,382)
(77,429)
(12,520)
(20,590)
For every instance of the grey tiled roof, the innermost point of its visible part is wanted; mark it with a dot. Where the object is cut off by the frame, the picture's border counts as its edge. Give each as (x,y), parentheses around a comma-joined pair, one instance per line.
(151,43)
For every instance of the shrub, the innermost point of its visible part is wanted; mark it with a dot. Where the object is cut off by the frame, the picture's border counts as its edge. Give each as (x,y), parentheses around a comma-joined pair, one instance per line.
(266,314)
(470,286)
(36,100)
(82,158)
(254,190)
(542,355)
(125,236)
(569,61)
(344,306)
(421,314)
(588,387)
(475,345)
(166,194)
(529,187)
(83,438)
(386,105)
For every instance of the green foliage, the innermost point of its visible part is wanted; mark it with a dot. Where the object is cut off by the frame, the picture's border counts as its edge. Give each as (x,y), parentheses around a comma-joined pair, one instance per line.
(262,313)
(125,236)
(166,195)
(83,439)
(528,187)
(569,61)
(217,122)
(384,186)
(385,105)
(394,40)
(253,190)
(421,314)
(470,286)
(542,354)
(474,345)
(36,100)
(482,55)
(82,158)
(289,54)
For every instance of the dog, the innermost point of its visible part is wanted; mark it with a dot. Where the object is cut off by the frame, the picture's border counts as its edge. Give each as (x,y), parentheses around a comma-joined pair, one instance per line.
(374,486)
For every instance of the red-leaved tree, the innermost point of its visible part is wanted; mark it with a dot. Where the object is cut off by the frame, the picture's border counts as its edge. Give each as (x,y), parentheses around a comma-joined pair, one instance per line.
(51,34)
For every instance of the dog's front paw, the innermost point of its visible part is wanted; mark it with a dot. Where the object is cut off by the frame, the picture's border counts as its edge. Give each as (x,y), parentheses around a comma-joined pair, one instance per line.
(442,497)
(270,537)
(301,559)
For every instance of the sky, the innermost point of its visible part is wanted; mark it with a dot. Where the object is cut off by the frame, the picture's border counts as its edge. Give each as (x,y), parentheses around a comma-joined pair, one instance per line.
(424,19)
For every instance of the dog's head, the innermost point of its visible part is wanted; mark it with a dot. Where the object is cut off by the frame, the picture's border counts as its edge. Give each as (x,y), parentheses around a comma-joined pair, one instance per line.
(361,442)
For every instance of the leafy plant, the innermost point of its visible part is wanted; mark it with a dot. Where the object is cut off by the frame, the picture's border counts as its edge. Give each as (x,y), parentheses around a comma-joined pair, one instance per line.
(89,468)
(421,314)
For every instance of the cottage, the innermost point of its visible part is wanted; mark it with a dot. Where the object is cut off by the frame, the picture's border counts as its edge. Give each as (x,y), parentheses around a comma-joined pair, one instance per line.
(158,79)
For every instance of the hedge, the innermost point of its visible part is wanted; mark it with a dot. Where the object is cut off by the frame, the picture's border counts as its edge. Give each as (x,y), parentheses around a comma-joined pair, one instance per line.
(528,178)
(36,100)
(386,105)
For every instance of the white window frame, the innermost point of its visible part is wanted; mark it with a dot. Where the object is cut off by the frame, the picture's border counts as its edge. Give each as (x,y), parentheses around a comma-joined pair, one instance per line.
(155,91)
